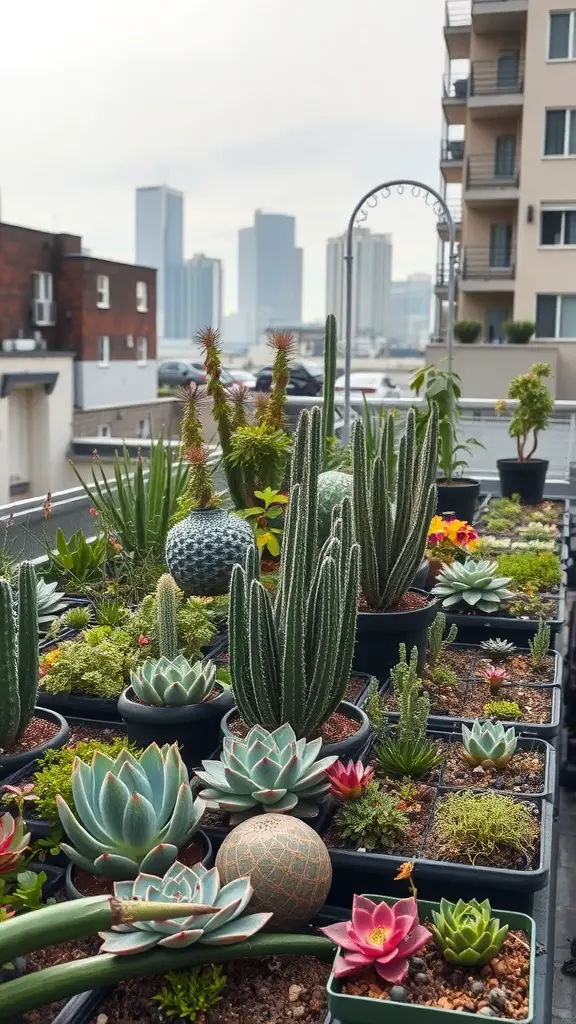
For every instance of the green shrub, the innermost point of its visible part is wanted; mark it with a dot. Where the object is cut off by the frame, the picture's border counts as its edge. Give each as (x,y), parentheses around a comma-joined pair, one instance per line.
(542,569)
(372,822)
(190,993)
(195,627)
(95,664)
(483,825)
(54,772)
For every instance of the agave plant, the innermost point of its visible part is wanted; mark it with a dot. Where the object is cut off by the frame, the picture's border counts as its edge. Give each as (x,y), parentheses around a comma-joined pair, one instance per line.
(472,583)
(166,683)
(132,813)
(181,884)
(378,936)
(488,744)
(267,771)
(13,842)
(50,603)
(466,933)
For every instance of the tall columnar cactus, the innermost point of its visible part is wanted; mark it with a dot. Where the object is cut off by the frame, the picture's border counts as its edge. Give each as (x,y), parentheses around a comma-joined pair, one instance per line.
(393,501)
(290,657)
(18,655)
(167,598)
(330,353)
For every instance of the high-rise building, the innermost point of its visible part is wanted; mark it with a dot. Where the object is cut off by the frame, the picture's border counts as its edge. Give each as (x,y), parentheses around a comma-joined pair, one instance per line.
(160,244)
(204,293)
(510,90)
(410,307)
(372,274)
(269,274)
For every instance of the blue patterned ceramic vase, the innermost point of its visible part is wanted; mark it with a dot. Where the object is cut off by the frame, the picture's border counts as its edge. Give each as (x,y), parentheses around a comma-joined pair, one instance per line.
(202,549)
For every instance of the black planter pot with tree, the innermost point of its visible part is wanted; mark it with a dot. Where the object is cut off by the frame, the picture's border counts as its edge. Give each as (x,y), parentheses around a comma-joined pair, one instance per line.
(467,331)
(526,475)
(442,388)
(518,332)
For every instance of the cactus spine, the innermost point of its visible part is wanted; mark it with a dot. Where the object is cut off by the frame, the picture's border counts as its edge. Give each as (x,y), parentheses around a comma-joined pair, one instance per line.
(167,598)
(18,655)
(330,353)
(291,657)
(393,501)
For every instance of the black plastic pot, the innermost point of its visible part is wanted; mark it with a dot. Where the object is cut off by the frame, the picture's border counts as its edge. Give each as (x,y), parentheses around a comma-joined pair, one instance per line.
(83,1008)
(194,727)
(459,497)
(349,747)
(379,635)
(421,577)
(72,705)
(528,479)
(10,763)
(473,628)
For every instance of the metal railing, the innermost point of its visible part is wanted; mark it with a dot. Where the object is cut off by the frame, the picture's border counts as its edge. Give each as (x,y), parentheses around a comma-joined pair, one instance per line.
(500,77)
(487,264)
(455,85)
(458,14)
(455,210)
(488,171)
(452,150)
(442,275)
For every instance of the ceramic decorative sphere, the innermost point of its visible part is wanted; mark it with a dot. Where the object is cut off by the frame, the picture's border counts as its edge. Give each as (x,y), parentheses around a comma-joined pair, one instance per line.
(288,865)
(203,548)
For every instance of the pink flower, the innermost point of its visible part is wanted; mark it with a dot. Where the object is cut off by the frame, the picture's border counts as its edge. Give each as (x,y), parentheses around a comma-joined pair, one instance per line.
(348,782)
(143,640)
(93,512)
(494,676)
(378,936)
(13,842)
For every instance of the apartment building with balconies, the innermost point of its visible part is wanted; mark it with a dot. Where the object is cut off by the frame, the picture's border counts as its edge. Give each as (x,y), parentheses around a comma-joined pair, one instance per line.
(508,166)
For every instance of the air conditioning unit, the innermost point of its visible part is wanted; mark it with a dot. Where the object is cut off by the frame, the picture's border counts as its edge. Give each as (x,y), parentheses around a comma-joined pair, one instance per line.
(43,312)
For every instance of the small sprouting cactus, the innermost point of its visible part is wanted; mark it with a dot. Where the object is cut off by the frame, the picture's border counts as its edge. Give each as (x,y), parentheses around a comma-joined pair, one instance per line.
(438,644)
(167,599)
(495,676)
(539,645)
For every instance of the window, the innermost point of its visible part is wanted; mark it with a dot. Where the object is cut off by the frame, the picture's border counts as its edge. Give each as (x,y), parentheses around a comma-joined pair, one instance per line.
(142,351)
(103,291)
(103,350)
(556,316)
(130,341)
(560,135)
(103,430)
(141,296)
(558,226)
(42,286)
(562,36)
(144,428)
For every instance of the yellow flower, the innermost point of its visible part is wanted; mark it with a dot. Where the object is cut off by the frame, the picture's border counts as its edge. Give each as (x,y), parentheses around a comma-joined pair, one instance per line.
(437,525)
(404,871)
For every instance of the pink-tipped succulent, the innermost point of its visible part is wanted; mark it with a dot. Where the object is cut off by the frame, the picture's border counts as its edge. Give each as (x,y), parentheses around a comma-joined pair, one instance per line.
(378,936)
(494,676)
(13,842)
(348,782)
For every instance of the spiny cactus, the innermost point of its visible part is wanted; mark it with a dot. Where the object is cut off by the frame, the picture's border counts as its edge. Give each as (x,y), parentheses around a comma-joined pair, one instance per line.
(438,644)
(330,353)
(291,657)
(167,598)
(413,704)
(540,644)
(393,503)
(18,655)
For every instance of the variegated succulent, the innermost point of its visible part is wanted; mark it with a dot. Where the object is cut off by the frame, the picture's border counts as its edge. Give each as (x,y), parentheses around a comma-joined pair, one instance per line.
(488,744)
(267,771)
(133,814)
(182,884)
(166,683)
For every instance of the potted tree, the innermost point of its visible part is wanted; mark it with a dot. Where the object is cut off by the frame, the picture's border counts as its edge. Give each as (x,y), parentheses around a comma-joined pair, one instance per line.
(467,331)
(519,332)
(526,475)
(442,388)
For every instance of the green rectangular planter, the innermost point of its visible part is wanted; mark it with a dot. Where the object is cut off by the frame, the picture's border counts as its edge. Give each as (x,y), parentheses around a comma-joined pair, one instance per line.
(363,1010)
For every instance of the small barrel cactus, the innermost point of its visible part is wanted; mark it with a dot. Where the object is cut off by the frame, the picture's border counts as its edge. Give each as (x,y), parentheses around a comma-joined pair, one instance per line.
(181,884)
(474,584)
(166,683)
(268,771)
(488,744)
(18,655)
(132,814)
(466,933)
(13,842)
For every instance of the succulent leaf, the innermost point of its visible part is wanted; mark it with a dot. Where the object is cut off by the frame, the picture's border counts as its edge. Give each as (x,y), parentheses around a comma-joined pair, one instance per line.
(472,583)
(173,683)
(466,933)
(488,743)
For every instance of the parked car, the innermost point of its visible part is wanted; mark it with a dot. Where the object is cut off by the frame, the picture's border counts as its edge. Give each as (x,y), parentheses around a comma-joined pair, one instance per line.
(305,379)
(178,372)
(242,377)
(369,384)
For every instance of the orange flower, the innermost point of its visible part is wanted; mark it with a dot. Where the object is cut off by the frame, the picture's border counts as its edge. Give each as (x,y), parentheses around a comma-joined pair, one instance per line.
(404,871)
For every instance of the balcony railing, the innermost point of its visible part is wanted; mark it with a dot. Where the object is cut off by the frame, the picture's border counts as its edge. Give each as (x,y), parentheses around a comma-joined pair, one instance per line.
(442,275)
(456,86)
(501,77)
(458,14)
(452,151)
(487,264)
(455,210)
(492,170)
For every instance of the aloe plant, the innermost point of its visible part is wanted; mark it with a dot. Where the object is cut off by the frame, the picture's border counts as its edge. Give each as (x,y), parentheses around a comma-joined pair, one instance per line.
(50,603)
(18,655)
(291,656)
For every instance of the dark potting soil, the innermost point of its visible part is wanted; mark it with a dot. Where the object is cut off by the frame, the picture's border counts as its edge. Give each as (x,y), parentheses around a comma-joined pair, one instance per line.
(51,957)
(461,662)
(524,607)
(337,728)
(83,732)
(502,985)
(97,885)
(535,703)
(38,732)
(519,668)
(524,773)
(407,603)
(503,856)
(444,698)
(269,990)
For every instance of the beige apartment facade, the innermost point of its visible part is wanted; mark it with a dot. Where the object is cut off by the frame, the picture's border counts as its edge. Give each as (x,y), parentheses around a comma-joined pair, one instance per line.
(508,166)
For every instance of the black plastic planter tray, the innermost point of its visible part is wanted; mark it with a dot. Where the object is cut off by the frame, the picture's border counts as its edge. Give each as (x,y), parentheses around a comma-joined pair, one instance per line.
(474,628)
(83,1008)
(481,655)
(524,743)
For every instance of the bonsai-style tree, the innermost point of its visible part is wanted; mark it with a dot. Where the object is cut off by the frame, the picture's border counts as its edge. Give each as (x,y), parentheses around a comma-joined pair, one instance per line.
(519,332)
(467,331)
(532,414)
(442,387)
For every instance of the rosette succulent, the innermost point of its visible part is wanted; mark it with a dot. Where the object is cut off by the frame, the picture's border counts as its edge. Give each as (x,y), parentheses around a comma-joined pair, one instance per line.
(466,933)
(50,603)
(133,814)
(494,675)
(378,936)
(166,683)
(488,744)
(267,771)
(498,649)
(13,842)
(472,583)
(182,884)
(348,782)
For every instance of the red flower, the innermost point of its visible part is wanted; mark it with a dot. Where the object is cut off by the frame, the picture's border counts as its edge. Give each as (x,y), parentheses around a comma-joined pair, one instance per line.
(348,782)
(434,539)
(143,640)
(93,512)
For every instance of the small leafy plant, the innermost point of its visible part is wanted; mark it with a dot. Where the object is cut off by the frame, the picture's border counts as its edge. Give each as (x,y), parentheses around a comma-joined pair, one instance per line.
(54,772)
(263,517)
(187,994)
(443,388)
(438,644)
(75,562)
(498,649)
(539,645)
(518,332)
(503,710)
(467,331)
(542,570)
(532,414)
(484,825)
(374,821)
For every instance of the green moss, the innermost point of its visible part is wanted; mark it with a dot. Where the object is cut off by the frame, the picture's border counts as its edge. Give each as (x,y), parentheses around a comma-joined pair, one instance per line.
(485,825)
(542,569)
(94,665)
(503,710)
(54,773)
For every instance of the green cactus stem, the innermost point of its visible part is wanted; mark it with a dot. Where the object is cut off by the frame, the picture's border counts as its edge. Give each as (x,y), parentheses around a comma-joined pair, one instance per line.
(167,598)
(330,354)
(18,655)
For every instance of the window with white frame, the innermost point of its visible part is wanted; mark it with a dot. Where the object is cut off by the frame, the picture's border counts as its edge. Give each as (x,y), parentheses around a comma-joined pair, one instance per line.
(560,133)
(556,316)
(103,291)
(103,430)
(562,35)
(142,351)
(103,350)
(558,226)
(130,341)
(42,286)
(141,296)
(144,428)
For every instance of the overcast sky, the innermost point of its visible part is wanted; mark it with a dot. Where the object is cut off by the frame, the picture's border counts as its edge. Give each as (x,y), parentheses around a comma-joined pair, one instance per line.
(294,106)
